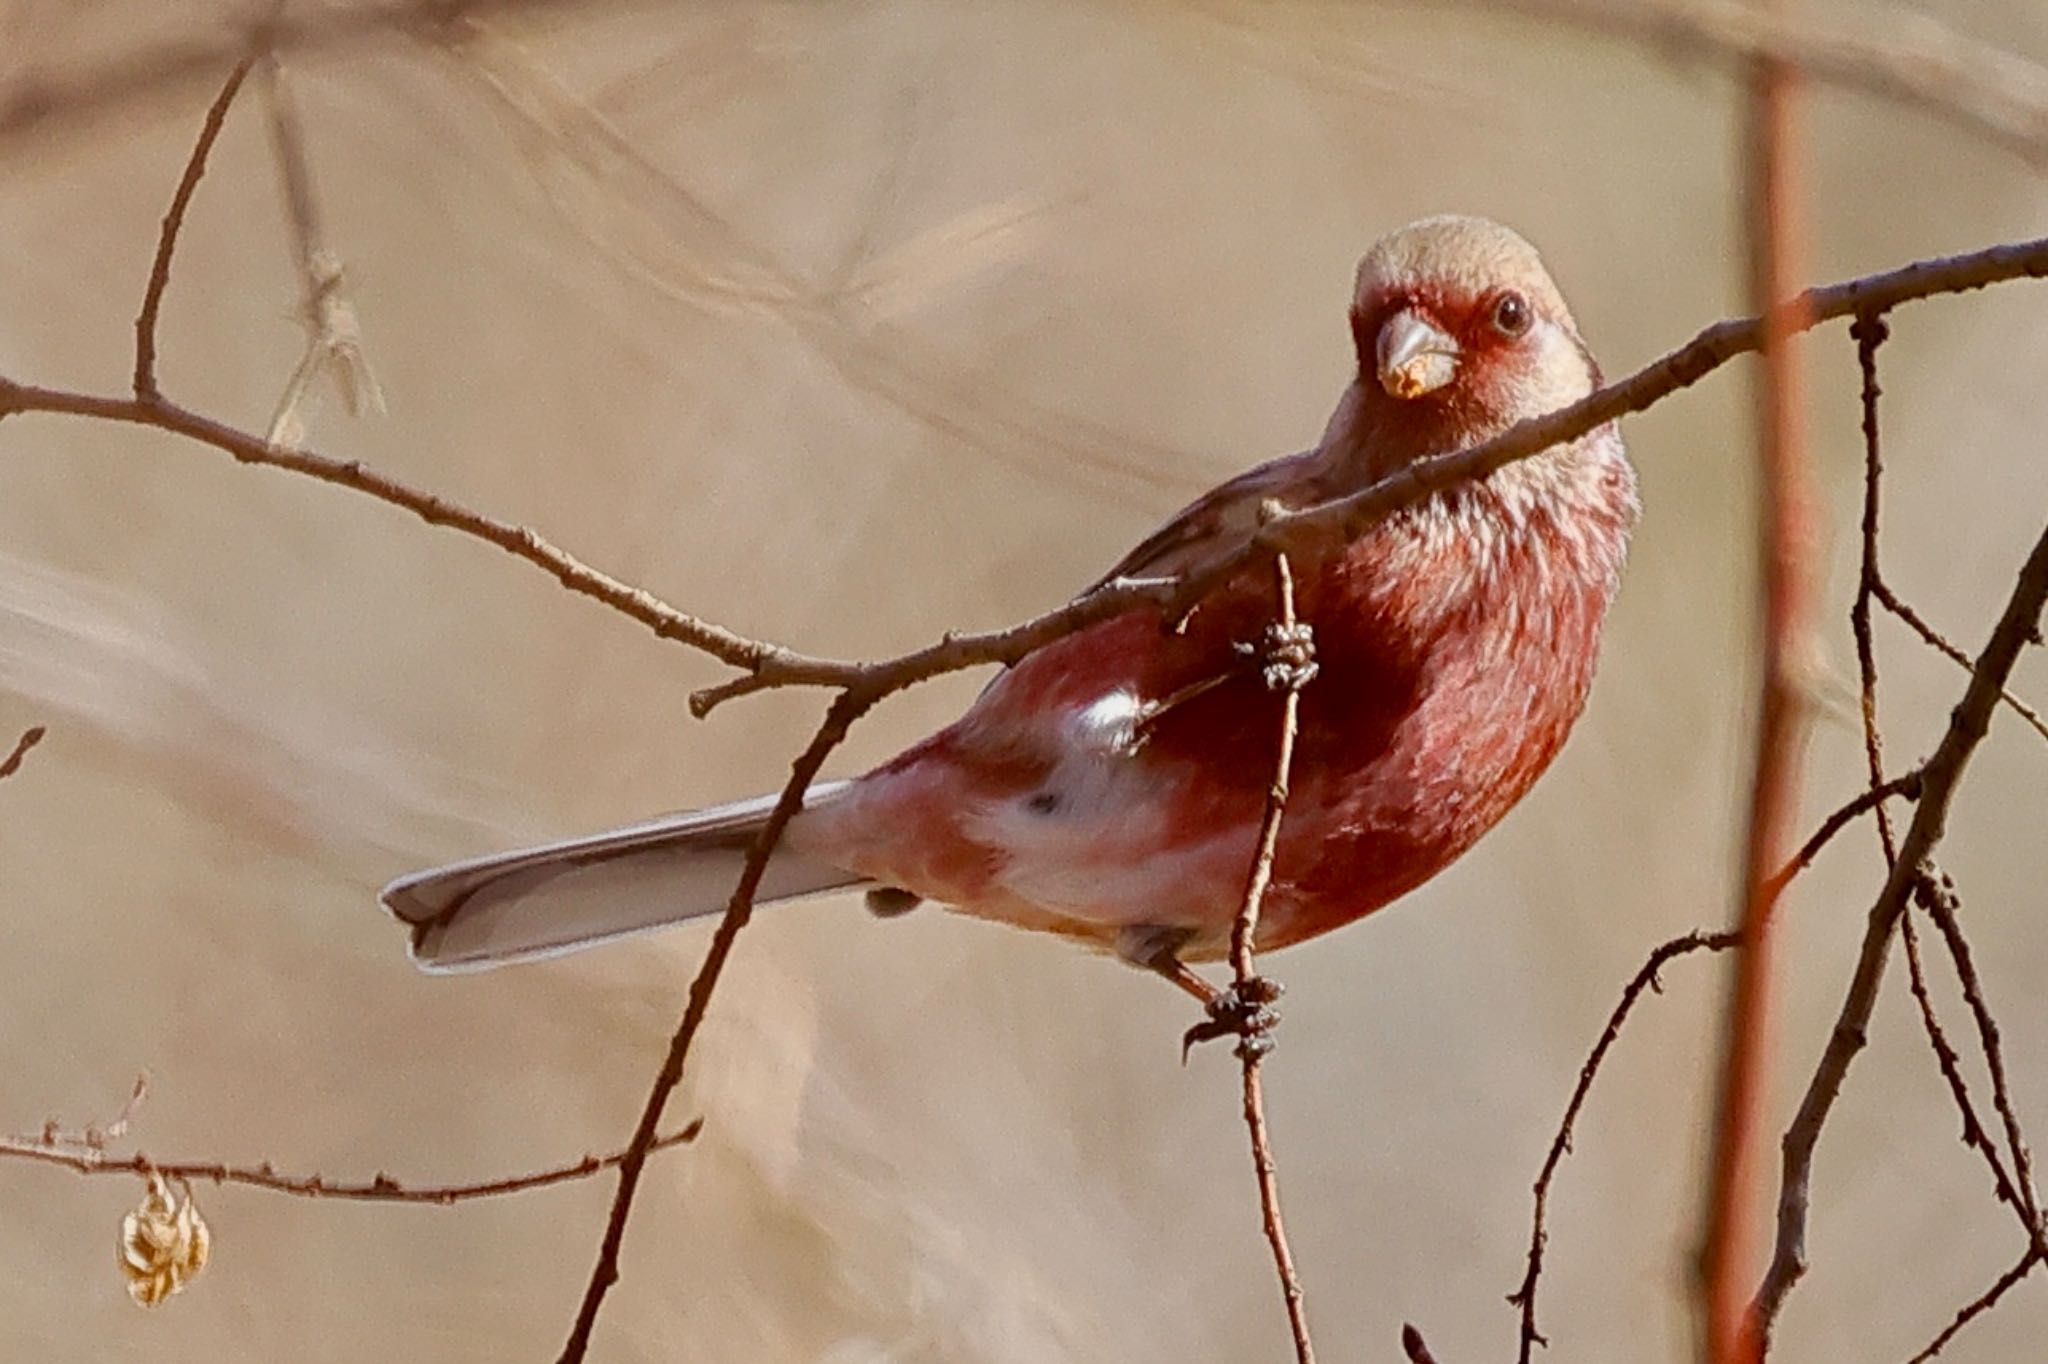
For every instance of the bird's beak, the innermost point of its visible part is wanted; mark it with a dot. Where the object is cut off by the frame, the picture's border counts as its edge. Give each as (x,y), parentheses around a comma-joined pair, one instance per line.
(1415,355)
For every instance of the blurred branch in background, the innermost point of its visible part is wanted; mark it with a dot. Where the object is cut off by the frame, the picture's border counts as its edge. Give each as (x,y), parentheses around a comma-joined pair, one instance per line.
(45,103)
(334,339)
(1901,57)
(1774,237)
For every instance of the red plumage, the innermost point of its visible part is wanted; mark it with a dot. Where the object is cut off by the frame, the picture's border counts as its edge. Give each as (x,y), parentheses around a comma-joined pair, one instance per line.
(1110,785)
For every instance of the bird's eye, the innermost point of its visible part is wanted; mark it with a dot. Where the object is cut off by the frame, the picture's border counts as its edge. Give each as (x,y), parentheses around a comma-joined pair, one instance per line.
(1511,315)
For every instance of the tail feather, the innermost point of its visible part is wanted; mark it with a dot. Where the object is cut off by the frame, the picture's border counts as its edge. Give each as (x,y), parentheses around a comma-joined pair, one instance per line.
(547,901)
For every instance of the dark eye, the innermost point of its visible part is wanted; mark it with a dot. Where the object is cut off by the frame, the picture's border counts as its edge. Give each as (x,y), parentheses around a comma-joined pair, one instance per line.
(1511,315)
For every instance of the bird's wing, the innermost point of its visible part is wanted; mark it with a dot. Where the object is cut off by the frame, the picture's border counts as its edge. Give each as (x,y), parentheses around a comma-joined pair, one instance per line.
(1216,521)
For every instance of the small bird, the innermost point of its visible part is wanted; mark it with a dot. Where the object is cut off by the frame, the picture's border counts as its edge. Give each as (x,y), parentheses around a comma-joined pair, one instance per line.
(1110,785)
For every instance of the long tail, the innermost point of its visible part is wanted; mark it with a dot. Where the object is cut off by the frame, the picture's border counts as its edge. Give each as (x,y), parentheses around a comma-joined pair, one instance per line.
(543,902)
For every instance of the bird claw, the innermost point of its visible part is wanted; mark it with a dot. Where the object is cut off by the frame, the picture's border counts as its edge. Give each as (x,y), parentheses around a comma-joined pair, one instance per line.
(1244,1011)
(1286,656)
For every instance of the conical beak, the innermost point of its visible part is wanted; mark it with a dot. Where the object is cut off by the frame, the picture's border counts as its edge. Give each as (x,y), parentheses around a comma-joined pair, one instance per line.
(1415,355)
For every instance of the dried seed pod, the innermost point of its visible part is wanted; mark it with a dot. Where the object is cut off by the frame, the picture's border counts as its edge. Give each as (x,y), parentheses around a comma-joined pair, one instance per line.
(164,1242)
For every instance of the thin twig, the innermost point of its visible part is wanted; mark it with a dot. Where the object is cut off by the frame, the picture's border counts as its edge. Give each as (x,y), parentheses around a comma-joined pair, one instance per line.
(1645,978)
(30,737)
(174,220)
(1870,333)
(1937,895)
(378,1189)
(1251,989)
(1905,786)
(1979,1305)
(1785,523)
(1943,645)
(848,707)
(520,541)
(1968,724)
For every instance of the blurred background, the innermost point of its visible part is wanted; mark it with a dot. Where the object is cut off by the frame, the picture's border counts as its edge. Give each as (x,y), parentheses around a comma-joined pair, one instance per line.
(841,324)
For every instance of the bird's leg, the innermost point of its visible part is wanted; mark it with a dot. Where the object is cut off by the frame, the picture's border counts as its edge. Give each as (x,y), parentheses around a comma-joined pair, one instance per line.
(1243,1011)
(1156,948)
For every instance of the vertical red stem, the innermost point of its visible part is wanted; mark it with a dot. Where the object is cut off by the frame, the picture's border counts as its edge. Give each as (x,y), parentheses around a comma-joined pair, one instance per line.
(1786,532)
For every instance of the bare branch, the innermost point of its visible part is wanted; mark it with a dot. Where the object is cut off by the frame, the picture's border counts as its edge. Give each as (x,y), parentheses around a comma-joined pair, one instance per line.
(174,220)
(378,1189)
(1979,1305)
(1938,897)
(1870,333)
(1946,647)
(848,707)
(572,573)
(2018,624)
(1646,978)
(1289,680)
(1901,787)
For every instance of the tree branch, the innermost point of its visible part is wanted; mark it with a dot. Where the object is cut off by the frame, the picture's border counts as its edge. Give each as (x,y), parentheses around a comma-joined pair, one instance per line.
(380,1188)
(1942,773)
(174,221)
(1243,936)
(1646,978)
(839,718)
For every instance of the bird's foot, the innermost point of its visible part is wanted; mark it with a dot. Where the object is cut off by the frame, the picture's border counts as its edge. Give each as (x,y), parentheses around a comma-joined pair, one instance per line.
(1244,1011)
(1286,656)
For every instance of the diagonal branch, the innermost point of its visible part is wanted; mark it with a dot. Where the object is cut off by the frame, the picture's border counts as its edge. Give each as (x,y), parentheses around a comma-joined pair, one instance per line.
(174,222)
(1979,1305)
(1646,978)
(839,717)
(2018,624)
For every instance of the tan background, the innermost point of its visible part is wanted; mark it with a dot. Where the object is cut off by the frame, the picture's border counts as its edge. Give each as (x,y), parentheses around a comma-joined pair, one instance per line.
(915,315)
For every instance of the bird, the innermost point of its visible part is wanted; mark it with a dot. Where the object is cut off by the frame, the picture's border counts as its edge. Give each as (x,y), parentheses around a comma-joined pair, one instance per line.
(1110,785)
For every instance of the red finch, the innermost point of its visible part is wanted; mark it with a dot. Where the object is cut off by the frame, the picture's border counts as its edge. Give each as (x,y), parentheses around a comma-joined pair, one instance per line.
(1110,785)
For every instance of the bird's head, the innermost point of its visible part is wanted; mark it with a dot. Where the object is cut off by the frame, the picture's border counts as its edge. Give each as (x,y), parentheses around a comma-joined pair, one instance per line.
(1461,333)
